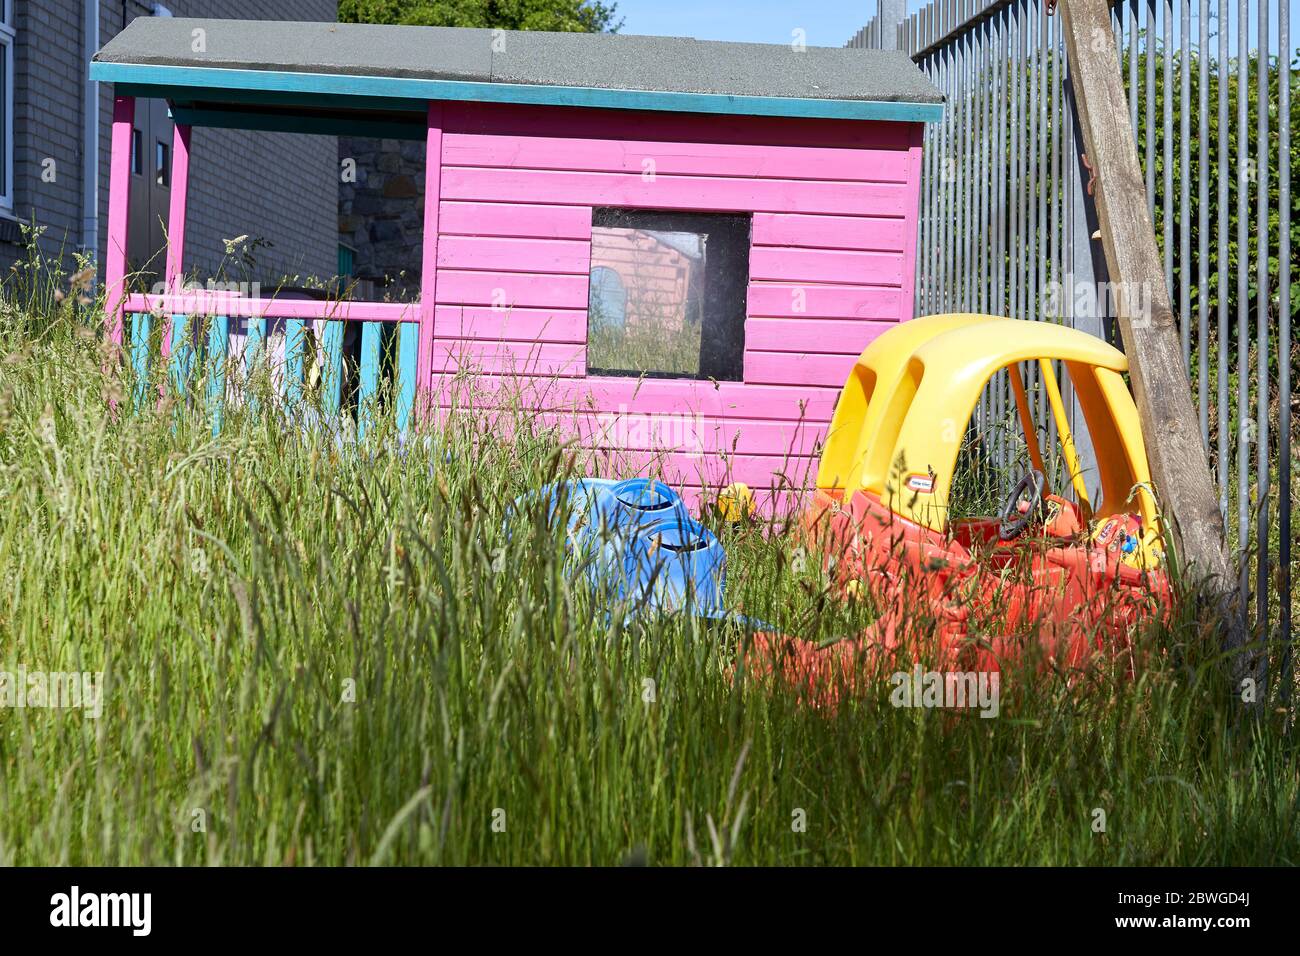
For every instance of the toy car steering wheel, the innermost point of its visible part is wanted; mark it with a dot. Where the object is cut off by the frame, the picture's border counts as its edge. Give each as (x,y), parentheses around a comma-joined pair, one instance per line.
(1014,521)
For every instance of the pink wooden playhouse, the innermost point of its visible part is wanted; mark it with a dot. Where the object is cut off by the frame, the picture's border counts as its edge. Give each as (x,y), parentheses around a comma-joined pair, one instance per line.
(676,249)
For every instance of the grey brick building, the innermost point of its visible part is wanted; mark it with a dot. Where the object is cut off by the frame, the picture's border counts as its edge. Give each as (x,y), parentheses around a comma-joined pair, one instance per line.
(276,186)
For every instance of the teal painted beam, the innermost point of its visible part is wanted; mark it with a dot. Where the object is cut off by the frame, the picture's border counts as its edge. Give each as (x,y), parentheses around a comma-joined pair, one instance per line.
(140,356)
(182,354)
(407,346)
(193,79)
(291,386)
(192,97)
(368,390)
(293,123)
(254,345)
(254,341)
(331,380)
(217,353)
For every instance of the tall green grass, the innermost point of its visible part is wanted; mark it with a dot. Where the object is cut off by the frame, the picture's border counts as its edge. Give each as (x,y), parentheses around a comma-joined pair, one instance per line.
(320,654)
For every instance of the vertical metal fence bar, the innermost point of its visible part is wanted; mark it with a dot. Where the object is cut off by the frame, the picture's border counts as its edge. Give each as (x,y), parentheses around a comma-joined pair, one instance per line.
(945,172)
(1202,219)
(953,77)
(940,192)
(1243,277)
(1149,52)
(1166,149)
(948,172)
(930,197)
(1032,282)
(1262,391)
(1025,161)
(1043,161)
(1057,147)
(963,172)
(1134,21)
(934,141)
(1013,163)
(1284,384)
(986,167)
(968,217)
(936,199)
(1221,231)
(954,167)
(1184,207)
(957,174)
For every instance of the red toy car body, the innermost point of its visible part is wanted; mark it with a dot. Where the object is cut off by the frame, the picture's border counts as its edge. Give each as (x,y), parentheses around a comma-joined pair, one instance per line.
(1068,579)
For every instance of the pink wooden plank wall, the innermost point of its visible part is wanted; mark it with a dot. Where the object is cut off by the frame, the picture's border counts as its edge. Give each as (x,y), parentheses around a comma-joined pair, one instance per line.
(834,207)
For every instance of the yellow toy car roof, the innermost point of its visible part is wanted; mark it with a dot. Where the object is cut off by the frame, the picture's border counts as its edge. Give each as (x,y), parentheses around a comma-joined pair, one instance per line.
(877,371)
(904,410)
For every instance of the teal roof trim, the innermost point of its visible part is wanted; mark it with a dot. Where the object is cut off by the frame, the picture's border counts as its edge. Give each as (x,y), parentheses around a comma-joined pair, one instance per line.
(206,83)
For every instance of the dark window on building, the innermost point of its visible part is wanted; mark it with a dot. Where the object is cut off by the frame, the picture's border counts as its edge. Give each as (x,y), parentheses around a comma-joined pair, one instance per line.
(667,294)
(8,39)
(162,170)
(137,147)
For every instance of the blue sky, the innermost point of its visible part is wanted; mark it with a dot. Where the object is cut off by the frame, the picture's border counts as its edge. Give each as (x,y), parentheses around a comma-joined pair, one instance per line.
(825,22)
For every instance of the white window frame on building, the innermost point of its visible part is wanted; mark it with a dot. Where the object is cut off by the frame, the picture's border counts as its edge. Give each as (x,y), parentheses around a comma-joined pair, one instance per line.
(7,43)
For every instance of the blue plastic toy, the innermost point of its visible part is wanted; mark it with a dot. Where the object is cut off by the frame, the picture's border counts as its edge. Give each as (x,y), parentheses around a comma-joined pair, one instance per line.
(635,542)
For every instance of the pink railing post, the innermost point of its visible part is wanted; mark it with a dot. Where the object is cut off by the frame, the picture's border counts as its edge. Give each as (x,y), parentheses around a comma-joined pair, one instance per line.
(176,226)
(429,262)
(119,201)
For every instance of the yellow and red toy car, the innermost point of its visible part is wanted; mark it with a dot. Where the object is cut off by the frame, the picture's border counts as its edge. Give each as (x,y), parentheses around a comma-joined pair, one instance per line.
(1073,575)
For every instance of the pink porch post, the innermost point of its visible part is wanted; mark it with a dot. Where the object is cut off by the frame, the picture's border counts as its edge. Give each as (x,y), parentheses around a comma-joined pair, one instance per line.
(429,262)
(176,224)
(119,200)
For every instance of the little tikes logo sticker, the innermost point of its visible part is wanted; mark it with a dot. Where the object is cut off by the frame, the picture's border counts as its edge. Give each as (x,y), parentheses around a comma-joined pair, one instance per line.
(921,484)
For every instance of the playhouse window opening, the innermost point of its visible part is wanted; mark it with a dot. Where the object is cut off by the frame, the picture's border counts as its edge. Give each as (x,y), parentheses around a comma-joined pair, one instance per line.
(667,294)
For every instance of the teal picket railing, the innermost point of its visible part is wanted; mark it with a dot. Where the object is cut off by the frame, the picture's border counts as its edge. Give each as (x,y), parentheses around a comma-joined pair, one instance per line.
(199,332)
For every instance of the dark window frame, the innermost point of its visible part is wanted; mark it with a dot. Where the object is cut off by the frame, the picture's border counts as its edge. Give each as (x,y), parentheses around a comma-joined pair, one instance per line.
(162,162)
(137,148)
(726,279)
